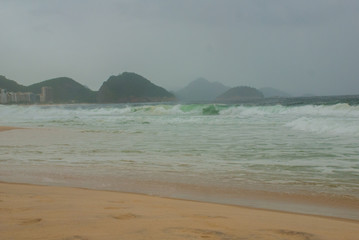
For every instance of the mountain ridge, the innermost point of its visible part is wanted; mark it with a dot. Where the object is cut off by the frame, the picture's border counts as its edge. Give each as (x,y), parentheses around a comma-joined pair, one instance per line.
(240,94)
(201,90)
(11,85)
(131,87)
(270,92)
(65,90)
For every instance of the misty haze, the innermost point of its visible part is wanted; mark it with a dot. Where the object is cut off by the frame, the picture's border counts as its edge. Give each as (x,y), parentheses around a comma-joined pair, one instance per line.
(300,47)
(202,119)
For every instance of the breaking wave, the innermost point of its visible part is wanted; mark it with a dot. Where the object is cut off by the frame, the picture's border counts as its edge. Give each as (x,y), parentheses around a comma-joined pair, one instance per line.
(118,109)
(333,119)
(325,126)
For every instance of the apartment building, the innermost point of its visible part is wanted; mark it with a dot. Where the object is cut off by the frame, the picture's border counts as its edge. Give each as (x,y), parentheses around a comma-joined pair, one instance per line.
(17,97)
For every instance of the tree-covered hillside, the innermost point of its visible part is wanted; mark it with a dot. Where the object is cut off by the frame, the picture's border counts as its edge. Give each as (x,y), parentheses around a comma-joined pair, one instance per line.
(11,85)
(65,90)
(131,87)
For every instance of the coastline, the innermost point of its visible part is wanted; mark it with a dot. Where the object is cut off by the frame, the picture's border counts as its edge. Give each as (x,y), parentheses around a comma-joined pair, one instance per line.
(73,210)
(312,203)
(51,212)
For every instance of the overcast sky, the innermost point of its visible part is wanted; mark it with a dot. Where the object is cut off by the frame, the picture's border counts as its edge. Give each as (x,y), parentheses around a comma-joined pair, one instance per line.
(302,46)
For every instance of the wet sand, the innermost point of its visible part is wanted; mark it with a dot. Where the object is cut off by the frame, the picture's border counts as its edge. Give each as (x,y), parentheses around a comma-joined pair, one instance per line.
(52,212)
(49,212)
(6,128)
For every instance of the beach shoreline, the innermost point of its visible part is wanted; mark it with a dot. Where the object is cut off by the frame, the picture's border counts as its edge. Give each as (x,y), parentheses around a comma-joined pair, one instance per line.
(316,204)
(52,212)
(57,202)
(43,173)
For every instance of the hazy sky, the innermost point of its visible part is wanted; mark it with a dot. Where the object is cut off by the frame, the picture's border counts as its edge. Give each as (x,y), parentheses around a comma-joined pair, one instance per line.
(302,46)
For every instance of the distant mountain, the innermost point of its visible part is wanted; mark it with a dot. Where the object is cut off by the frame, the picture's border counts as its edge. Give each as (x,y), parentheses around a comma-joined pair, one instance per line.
(240,94)
(11,85)
(201,90)
(269,92)
(131,87)
(308,95)
(65,90)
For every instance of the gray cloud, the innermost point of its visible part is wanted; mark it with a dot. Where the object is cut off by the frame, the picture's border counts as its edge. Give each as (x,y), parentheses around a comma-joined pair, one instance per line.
(297,46)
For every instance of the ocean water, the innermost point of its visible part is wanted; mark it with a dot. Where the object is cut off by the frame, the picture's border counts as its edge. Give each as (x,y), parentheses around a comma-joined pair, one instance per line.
(179,150)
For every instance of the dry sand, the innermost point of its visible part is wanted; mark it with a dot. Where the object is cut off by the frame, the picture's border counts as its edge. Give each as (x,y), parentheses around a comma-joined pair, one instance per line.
(43,212)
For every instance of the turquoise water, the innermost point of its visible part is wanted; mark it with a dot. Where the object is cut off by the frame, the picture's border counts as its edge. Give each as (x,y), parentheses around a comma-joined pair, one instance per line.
(173,150)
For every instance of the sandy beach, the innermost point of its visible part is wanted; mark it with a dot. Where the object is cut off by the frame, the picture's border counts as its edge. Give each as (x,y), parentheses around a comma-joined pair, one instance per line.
(55,212)
(44,212)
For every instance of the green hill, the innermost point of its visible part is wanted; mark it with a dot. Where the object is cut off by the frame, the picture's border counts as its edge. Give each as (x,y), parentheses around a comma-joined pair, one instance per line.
(11,85)
(240,94)
(65,90)
(131,87)
(201,90)
(269,92)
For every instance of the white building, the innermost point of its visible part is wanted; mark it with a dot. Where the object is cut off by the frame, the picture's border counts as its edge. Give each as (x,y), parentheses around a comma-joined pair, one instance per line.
(18,97)
(46,95)
(3,96)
